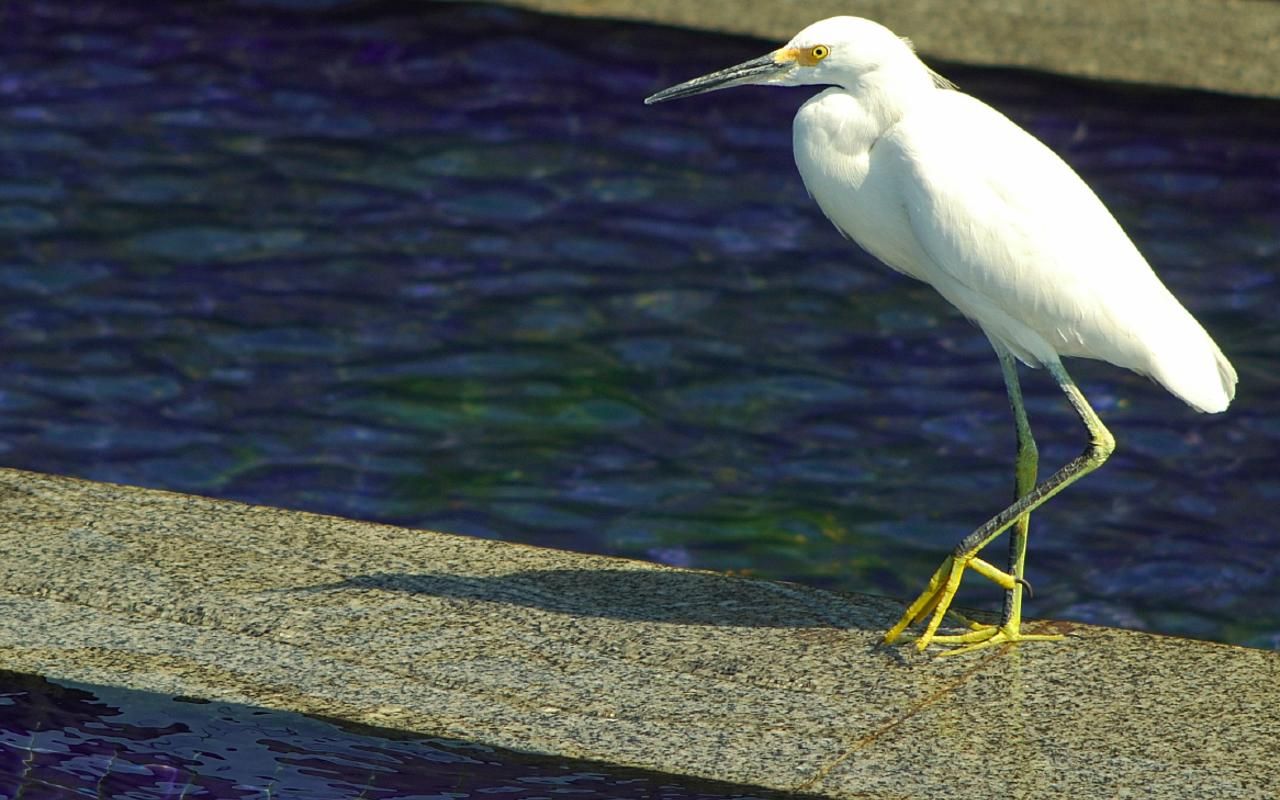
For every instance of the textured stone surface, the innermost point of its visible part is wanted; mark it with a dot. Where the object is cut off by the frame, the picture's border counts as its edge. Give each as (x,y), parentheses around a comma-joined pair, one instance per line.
(1161,42)
(636,664)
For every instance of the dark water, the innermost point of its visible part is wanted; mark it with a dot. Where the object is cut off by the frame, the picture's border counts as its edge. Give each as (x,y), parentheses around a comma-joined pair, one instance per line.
(437,265)
(61,742)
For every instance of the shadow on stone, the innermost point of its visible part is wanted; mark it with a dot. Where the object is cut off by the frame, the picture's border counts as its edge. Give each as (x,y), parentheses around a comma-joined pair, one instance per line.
(690,598)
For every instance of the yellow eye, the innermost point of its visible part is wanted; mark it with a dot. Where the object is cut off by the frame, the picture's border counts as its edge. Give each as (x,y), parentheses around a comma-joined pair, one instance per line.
(819,52)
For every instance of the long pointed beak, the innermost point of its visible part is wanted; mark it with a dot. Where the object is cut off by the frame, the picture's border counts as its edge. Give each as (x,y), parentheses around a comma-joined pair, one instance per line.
(757,70)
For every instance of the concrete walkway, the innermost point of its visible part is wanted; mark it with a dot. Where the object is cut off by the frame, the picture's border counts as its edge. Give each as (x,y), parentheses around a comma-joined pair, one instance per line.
(690,673)
(1221,45)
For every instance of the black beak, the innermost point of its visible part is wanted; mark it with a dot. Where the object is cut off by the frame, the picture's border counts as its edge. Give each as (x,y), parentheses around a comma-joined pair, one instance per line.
(753,71)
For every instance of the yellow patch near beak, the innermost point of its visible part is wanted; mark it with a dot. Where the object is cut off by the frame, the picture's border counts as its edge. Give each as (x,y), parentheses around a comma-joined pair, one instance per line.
(795,55)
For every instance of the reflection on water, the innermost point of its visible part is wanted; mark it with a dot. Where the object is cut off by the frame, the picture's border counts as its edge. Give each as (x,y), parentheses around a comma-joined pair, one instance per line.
(439,266)
(98,742)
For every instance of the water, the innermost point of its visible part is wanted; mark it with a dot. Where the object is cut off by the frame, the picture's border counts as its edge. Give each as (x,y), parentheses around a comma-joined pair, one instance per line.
(64,741)
(437,265)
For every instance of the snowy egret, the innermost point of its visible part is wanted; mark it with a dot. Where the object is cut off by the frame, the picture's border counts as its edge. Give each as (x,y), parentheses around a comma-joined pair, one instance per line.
(945,189)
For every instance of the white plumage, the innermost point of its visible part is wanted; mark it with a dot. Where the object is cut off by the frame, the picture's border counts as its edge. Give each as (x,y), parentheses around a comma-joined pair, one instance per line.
(943,188)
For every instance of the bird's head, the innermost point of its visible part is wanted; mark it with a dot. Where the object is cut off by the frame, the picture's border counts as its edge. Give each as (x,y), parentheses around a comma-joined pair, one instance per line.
(839,51)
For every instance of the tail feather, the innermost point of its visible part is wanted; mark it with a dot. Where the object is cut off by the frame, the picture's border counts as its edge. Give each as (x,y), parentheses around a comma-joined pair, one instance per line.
(1198,373)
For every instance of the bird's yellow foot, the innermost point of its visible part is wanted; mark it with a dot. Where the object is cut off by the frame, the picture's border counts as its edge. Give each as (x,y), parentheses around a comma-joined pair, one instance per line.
(936,599)
(981,636)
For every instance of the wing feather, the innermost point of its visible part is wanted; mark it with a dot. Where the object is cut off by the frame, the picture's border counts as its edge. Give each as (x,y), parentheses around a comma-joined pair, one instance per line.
(1023,245)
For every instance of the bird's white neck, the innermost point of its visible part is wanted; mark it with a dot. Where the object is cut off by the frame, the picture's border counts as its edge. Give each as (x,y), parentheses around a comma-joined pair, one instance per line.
(849,119)
(834,134)
(887,94)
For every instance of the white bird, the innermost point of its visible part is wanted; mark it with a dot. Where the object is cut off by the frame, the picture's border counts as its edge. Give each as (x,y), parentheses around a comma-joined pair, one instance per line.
(943,188)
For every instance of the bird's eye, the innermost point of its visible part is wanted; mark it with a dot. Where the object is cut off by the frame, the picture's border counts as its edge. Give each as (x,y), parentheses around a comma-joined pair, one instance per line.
(819,52)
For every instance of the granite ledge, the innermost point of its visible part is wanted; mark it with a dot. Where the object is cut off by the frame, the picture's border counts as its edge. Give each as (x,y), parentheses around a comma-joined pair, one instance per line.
(1159,42)
(758,683)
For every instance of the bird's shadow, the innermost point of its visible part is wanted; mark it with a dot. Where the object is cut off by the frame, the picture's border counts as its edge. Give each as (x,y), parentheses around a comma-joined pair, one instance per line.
(682,597)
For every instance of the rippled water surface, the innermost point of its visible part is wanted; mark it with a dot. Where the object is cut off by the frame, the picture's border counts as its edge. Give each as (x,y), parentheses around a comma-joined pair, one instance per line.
(59,742)
(437,265)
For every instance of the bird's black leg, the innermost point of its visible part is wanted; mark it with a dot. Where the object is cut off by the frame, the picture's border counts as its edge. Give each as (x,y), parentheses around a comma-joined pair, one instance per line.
(937,596)
(1025,472)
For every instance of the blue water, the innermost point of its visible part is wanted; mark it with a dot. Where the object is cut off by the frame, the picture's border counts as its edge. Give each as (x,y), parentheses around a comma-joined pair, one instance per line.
(437,265)
(75,740)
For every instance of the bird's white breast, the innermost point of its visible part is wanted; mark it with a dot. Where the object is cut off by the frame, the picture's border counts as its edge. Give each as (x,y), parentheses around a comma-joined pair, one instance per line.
(834,138)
